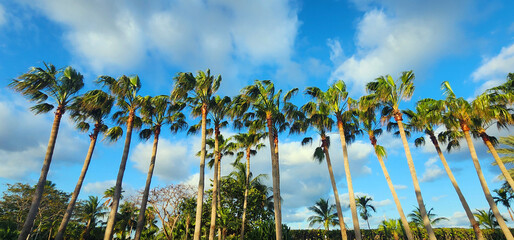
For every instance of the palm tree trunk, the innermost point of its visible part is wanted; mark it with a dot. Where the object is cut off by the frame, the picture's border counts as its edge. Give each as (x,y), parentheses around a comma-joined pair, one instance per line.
(247,186)
(146,192)
(36,198)
(85,236)
(275,175)
(117,189)
(474,224)
(215,183)
(219,195)
(71,205)
(485,188)
(412,169)
(497,158)
(201,181)
(510,213)
(403,219)
(353,206)
(334,188)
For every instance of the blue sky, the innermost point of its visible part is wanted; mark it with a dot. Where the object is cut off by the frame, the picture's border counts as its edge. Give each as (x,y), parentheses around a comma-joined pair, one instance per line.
(295,44)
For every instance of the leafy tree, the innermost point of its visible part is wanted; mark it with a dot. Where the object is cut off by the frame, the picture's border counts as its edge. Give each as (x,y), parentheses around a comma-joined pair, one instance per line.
(415,217)
(125,90)
(93,106)
(504,197)
(486,219)
(126,220)
(458,116)
(197,92)
(15,204)
(38,85)
(337,102)
(365,207)
(391,228)
(156,112)
(391,93)
(90,210)
(266,104)
(318,118)
(429,112)
(368,106)
(324,214)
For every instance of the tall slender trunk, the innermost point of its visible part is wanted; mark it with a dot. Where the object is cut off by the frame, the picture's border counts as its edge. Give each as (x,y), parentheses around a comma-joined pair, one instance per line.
(353,206)
(219,196)
(36,198)
(412,169)
(247,186)
(201,181)
(275,175)
(487,141)
(474,224)
(215,183)
(109,229)
(146,192)
(188,220)
(483,183)
(334,188)
(510,213)
(403,219)
(85,236)
(74,196)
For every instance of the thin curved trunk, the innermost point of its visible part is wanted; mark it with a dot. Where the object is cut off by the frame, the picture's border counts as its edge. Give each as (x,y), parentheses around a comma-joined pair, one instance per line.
(403,219)
(497,158)
(117,189)
(275,175)
(483,183)
(76,192)
(412,169)
(201,181)
(353,206)
(510,213)
(474,223)
(188,219)
(146,192)
(215,183)
(247,186)
(85,236)
(219,195)
(36,198)
(334,188)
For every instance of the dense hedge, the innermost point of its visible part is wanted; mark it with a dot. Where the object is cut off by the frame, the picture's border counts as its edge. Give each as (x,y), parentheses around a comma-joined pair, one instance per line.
(441,234)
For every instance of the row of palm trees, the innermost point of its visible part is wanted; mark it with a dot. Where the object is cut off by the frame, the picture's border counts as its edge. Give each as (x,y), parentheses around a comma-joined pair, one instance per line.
(260,108)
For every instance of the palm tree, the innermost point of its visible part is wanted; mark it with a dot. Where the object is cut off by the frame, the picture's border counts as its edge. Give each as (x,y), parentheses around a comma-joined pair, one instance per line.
(318,118)
(338,103)
(91,211)
(245,142)
(126,220)
(488,110)
(266,104)
(39,84)
(504,197)
(486,219)
(125,91)
(109,195)
(428,113)
(416,218)
(367,108)
(323,214)
(364,205)
(197,92)
(95,106)
(507,151)
(390,93)
(156,112)
(391,227)
(459,114)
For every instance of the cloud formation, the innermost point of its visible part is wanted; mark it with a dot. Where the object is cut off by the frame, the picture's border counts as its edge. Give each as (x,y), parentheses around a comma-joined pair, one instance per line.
(395,36)
(432,171)
(494,70)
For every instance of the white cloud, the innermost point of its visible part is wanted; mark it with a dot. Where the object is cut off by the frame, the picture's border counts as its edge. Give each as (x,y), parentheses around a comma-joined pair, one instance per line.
(98,188)
(400,187)
(191,34)
(172,162)
(3,15)
(494,69)
(432,171)
(382,203)
(394,37)
(458,219)
(437,198)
